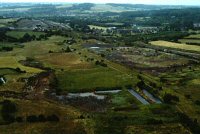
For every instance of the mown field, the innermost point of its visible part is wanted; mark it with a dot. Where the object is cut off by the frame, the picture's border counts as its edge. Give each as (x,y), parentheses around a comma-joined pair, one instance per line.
(176,45)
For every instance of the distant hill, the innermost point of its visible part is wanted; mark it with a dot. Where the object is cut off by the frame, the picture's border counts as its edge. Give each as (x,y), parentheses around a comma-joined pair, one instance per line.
(37,10)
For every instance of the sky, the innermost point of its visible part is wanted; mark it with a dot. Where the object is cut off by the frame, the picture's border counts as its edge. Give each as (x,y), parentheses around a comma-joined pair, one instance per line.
(157,2)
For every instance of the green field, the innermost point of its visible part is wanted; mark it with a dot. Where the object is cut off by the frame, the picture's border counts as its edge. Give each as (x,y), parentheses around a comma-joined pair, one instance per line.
(89,79)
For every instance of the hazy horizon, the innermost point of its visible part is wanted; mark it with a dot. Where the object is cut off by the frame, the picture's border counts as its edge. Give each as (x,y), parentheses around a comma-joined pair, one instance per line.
(151,2)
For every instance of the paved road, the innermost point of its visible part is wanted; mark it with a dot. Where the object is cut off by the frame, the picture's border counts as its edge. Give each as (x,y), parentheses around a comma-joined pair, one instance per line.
(139,97)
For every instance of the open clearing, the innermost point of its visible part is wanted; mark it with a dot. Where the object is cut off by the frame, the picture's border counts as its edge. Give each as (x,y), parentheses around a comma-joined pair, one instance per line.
(176,45)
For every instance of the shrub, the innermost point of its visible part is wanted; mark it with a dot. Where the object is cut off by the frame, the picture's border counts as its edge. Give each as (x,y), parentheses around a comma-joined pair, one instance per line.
(41,118)
(169,98)
(32,118)
(8,110)
(19,119)
(53,118)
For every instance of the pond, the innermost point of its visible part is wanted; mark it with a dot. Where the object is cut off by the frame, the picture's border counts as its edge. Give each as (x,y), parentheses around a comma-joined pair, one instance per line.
(95,94)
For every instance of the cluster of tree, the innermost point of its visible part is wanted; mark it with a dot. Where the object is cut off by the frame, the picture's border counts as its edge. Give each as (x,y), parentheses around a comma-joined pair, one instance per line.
(4,37)
(190,123)
(197,102)
(6,48)
(42,118)
(19,70)
(177,19)
(101,63)
(154,121)
(169,98)
(8,111)
(154,90)
(107,88)
(167,36)
(31,62)
(67,50)
(27,37)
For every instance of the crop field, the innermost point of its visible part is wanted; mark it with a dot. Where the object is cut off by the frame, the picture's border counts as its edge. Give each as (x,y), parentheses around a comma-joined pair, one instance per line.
(176,45)
(20,34)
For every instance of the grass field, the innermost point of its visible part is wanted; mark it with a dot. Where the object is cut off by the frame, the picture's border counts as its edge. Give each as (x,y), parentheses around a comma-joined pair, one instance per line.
(89,79)
(20,34)
(176,45)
